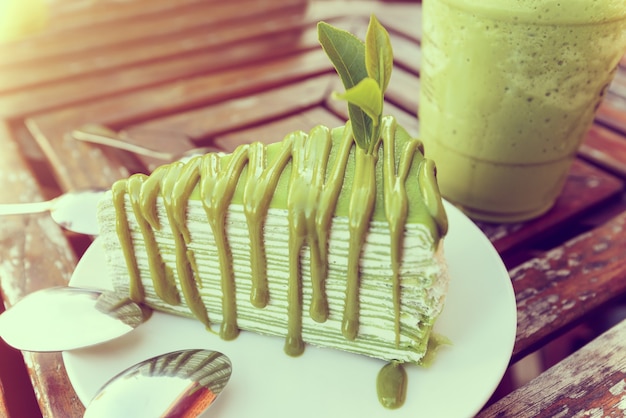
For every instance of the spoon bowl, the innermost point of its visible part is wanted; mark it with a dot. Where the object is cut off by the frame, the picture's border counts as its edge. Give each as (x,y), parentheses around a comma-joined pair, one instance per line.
(177,384)
(67,318)
(74,211)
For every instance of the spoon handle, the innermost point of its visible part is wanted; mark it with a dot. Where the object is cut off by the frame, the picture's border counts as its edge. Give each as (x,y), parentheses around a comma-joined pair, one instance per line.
(86,134)
(25,208)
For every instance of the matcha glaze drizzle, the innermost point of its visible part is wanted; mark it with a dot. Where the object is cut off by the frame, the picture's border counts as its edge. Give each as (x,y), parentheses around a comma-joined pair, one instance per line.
(312,199)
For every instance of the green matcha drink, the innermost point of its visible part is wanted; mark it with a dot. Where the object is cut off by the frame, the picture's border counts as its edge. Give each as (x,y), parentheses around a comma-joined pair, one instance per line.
(509,90)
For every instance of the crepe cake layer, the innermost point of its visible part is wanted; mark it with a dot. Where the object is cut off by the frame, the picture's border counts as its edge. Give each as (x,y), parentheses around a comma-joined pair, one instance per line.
(389,328)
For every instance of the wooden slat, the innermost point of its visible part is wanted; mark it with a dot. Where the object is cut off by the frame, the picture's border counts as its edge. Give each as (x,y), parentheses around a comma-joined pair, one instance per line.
(69,15)
(200,15)
(4,411)
(406,53)
(204,124)
(100,85)
(612,111)
(210,121)
(606,148)
(17,398)
(591,382)
(87,169)
(586,188)
(271,132)
(35,254)
(151,50)
(557,290)
(403,90)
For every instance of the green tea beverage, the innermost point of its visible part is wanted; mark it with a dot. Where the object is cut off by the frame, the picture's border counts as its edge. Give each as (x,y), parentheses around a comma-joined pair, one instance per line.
(509,91)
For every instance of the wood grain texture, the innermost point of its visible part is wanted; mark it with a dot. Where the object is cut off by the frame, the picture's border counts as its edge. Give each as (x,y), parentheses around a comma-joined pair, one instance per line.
(589,383)
(558,289)
(35,254)
(586,188)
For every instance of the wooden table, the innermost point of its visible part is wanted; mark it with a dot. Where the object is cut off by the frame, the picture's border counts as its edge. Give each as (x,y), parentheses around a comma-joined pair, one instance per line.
(224,73)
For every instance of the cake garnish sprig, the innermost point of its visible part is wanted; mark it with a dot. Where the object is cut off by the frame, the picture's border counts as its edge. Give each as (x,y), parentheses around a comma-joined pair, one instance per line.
(365,70)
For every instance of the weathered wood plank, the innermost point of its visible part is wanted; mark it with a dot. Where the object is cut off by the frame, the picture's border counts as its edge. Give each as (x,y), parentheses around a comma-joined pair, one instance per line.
(586,188)
(35,254)
(87,166)
(612,111)
(37,99)
(206,122)
(591,382)
(560,288)
(151,50)
(199,15)
(274,131)
(606,148)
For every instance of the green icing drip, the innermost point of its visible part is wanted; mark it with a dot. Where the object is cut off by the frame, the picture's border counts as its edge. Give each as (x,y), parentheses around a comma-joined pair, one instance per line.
(261,181)
(396,208)
(175,189)
(328,197)
(162,279)
(136,291)
(362,201)
(315,177)
(219,179)
(391,385)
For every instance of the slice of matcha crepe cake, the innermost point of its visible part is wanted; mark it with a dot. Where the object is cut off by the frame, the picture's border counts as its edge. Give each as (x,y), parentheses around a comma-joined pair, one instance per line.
(331,237)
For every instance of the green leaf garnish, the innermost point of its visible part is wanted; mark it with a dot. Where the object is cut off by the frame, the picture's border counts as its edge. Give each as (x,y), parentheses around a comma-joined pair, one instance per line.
(378,53)
(345,51)
(365,70)
(366,95)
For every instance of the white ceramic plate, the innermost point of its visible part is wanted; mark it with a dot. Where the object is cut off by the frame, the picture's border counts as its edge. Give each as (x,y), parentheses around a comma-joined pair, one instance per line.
(480,318)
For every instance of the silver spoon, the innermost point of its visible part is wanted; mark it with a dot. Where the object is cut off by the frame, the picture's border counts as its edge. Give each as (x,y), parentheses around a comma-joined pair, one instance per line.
(74,211)
(181,383)
(67,318)
(99,134)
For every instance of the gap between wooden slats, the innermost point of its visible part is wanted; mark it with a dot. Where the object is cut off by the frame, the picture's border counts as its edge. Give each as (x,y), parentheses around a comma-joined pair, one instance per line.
(100,86)
(275,130)
(605,148)
(568,283)
(205,124)
(69,15)
(203,40)
(586,188)
(35,254)
(590,382)
(86,169)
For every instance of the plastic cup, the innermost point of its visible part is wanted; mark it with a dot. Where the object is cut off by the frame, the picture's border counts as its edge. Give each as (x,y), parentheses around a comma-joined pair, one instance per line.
(509,89)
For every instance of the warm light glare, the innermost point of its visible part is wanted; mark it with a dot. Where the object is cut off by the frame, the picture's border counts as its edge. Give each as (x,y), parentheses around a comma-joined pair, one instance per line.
(20,18)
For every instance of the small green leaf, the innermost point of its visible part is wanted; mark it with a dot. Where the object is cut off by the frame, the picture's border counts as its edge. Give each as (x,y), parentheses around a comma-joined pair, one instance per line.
(365,95)
(378,53)
(345,51)
(365,71)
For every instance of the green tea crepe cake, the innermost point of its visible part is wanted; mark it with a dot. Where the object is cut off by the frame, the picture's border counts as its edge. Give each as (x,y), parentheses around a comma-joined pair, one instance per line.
(331,237)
